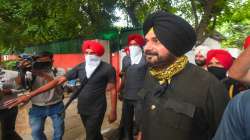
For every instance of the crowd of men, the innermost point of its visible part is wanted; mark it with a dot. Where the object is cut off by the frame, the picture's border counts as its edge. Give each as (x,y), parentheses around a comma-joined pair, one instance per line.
(164,96)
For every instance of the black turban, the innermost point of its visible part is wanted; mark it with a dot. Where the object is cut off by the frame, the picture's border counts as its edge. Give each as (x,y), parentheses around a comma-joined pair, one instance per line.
(176,34)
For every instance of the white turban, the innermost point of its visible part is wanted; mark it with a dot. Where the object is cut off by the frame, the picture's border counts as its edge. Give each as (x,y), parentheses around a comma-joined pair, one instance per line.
(202,49)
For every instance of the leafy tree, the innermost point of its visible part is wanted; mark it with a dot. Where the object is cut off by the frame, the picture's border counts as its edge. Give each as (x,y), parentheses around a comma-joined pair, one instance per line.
(31,22)
(203,14)
(234,23)
(137,10)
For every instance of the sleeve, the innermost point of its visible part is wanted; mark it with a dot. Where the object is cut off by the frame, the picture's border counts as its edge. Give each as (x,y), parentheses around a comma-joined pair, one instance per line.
(139,108)
(216,102)
(231,125)
(125,63)
(73,73)
(111,74)
(139,113)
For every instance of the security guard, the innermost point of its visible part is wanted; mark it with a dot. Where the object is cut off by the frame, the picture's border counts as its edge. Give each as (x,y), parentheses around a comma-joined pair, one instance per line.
(134,68)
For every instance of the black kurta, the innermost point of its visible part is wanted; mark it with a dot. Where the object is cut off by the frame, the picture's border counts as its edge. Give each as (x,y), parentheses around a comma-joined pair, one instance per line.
(92,98)
(189,108)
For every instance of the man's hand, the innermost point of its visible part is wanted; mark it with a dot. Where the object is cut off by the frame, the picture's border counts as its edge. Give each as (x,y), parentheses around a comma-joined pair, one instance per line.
(113,98)
(139,136)
(112,116)
(25,64)
(17,101)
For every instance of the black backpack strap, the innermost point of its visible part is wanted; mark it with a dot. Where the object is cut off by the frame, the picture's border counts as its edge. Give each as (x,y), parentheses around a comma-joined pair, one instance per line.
(83,82)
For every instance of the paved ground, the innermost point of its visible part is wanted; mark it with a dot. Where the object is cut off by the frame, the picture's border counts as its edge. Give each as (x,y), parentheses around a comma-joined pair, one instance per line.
(73,126)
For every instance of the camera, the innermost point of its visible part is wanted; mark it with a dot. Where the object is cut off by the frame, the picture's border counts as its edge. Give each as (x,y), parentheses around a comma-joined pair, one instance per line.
(23,66)
(29,63)
(25,62)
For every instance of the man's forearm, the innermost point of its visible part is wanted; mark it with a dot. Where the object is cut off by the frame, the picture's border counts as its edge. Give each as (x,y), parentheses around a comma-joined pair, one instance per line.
(241,66)
(139,136)
(52,84)
(113,98)
(121,86)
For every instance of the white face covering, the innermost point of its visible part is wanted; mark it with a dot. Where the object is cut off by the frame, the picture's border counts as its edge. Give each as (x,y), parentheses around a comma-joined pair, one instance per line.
(92,62)
(135,54)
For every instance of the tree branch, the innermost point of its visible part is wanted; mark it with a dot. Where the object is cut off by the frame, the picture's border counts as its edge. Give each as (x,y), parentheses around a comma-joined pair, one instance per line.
(194,10)
(132,16)
(202,29)
(214,23)
(129,7)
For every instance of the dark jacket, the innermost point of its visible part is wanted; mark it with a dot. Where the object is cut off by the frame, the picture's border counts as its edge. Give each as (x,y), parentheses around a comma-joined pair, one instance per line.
(134,76)
(189,108)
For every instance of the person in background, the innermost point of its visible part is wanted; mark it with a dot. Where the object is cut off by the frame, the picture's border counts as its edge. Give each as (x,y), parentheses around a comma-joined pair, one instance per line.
(121,74)
(201,55)
(235,123)
(92,104)
(178,101)
(49,103)
(7,116)
(241,67)
(247,42)
(134,68)
(218,62)
(126,50)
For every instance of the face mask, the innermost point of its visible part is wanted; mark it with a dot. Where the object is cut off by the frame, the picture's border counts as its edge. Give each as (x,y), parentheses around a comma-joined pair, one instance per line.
(200,62)
(220,73)
(92,62)
(135,54)
(135,50)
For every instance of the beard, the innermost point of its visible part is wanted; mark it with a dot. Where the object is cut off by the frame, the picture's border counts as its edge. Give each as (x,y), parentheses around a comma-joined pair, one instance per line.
(155,60)
(200,62)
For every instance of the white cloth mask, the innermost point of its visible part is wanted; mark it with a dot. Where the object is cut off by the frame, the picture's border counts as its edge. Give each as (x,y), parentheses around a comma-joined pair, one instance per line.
(92,62)
(135,54)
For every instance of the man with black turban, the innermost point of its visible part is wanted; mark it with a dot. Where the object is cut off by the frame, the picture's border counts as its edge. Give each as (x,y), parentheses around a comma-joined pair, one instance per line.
(179,101)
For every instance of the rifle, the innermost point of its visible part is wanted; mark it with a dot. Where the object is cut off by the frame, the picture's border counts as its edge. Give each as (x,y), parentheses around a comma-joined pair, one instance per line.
(76,93)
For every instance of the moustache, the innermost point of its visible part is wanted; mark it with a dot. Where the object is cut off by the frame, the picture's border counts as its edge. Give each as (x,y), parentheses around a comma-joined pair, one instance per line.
(151,53)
